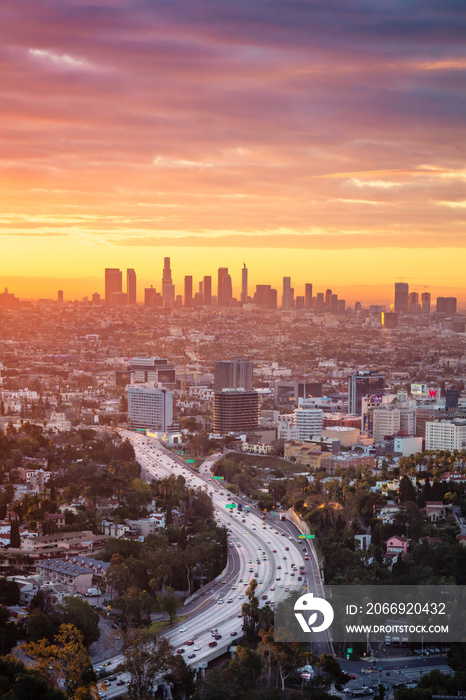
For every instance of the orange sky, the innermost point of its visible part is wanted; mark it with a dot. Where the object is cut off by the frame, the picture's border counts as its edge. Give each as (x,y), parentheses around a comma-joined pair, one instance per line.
(311,140)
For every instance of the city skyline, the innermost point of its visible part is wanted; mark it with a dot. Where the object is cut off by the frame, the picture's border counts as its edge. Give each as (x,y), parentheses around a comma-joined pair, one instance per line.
(307,139)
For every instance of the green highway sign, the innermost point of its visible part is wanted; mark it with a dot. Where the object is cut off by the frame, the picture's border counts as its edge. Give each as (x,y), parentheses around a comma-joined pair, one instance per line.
(307,537)
(217,477)
(349,651)
(230,505)
(190,461)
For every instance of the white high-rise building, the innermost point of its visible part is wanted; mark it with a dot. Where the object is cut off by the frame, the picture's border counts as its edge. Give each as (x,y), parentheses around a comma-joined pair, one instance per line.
(150,408)
(309,422)
(386,421)
(445,435)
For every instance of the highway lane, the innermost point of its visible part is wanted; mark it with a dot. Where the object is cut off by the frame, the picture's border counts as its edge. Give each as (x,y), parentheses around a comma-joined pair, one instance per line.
(274,543)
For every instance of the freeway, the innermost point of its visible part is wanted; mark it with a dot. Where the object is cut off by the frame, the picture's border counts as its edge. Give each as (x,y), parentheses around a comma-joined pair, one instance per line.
(260,547)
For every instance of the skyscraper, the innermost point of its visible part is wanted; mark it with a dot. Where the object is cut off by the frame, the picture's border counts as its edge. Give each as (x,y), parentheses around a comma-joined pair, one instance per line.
(446,305)
(227,290)
(131,285)
(425,303)
(363,384)
(287,294)
(244,284)
(328,299)
(236,374)
(150,408)
(188,290)
(60,297)
(207,291)
(401,300)
(113,283)
(220,274)
(414,307)
(308,296)
(236,411)
(168,288)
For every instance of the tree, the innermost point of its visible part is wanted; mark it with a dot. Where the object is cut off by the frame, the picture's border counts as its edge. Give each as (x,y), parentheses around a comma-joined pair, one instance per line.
(19,683)
(15,539)
(250,609)
(79,613)
(64,661)
(168,603)
(145,658)
(407,492)
(135,607)
(9,592)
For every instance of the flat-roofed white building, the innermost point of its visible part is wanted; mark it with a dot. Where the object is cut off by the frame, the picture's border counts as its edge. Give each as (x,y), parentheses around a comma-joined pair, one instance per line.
(150,408)
(445,435)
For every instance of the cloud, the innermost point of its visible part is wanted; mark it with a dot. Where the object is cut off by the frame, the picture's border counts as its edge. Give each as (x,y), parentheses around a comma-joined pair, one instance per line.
(62,60)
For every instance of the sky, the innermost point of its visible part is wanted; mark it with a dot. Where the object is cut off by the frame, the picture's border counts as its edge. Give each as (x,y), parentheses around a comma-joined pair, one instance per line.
(321,140)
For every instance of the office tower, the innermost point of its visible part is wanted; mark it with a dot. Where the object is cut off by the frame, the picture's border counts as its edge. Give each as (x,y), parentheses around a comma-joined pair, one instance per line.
(446,305)
(152,297)
(300,303)
(235,410)
(152,369)
(386,421)
(320,302)
(131,285)
(363,384)
(60,297)
(308,296)
(96,298)
(220,274)
(244,284)
(425,303)
(236,374)
(265,297)
(328,299)
(227,290)
(357,307)
(309,422)
(451,399)
(168,288)
(401,300)
(113,283)
(150,408)
(389,320)
(287,295)
(207,291)
(188,290)
(414,307)
(341,306)
(334,304)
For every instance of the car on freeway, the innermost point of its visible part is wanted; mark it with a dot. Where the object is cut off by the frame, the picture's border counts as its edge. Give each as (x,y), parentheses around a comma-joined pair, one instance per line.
(180,651)
(120,681)
(241,596)
(278,578)
(274,551)
(220,602)
(272,588)
(213,644)
(279,567)
(229,600)
(218,636)
(197,648)
(191,656)
(233,634)
(190,643)
(182,629)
